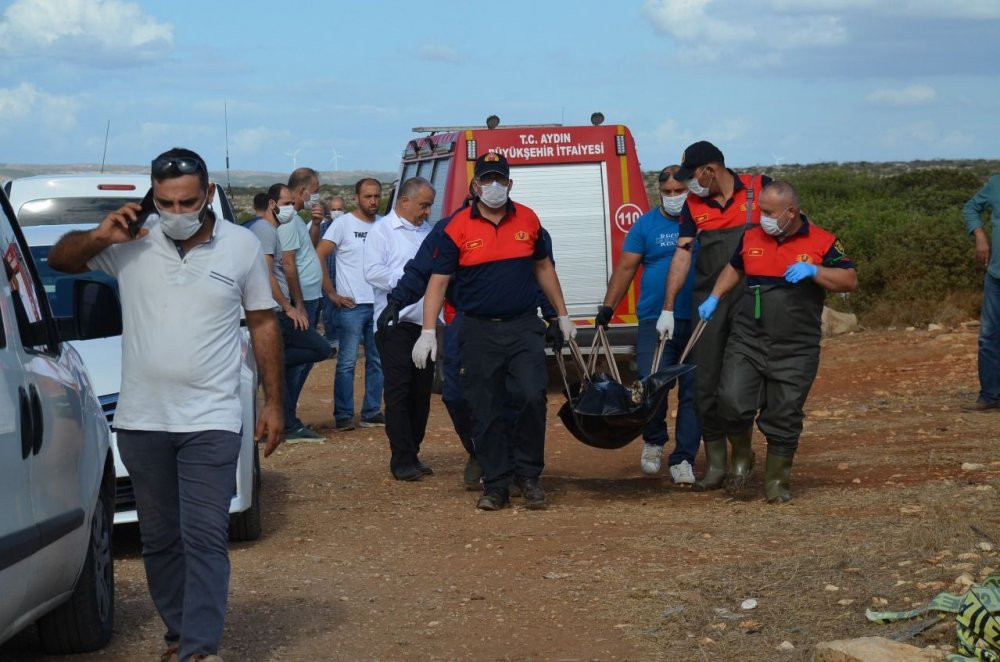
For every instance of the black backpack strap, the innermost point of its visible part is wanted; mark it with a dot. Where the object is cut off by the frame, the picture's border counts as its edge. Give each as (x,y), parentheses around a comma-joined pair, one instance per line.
(750,197)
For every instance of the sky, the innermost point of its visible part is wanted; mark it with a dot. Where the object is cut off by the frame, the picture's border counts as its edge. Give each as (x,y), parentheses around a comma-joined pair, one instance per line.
(339,85)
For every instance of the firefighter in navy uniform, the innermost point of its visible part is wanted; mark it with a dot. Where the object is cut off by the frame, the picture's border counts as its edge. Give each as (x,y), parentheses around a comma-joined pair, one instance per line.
(772,355)
(719,207)
(496,252)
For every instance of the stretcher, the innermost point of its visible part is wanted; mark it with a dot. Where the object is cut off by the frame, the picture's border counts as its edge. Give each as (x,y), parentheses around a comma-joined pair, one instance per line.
(603,412)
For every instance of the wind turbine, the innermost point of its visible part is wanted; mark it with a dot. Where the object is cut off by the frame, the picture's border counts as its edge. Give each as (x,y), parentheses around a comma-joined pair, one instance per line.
(777,159)
(295,157)
(335,159)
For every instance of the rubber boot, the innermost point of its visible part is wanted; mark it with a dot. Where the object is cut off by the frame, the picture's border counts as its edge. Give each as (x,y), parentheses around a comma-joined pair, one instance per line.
(777,472)
(715,466)
(742,461)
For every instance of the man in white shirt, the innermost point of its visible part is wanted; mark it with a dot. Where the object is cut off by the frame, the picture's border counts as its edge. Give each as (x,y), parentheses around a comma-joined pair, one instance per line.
(353,295)
(183,280)
(390,244)
(305,282)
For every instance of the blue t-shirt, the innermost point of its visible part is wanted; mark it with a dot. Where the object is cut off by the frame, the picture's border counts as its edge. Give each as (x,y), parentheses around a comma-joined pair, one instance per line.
(654,236)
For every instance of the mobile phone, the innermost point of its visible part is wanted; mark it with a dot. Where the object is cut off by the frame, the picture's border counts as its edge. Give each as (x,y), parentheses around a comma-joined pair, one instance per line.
(146,207)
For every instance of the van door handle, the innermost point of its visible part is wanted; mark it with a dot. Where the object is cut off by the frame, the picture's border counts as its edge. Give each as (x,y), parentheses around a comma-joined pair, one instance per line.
(37,424)
(27,423)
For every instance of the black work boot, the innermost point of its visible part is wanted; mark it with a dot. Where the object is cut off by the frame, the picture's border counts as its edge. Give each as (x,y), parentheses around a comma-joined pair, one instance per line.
(742,461)
(472,474)
(777,473)
(531,490)
(715,466)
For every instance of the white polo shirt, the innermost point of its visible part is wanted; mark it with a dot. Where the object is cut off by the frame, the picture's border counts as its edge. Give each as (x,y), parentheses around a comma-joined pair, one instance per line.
(181,326)
(390,245)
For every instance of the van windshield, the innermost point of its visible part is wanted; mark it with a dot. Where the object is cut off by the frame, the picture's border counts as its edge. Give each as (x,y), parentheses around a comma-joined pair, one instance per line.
(59,285)
(67,211)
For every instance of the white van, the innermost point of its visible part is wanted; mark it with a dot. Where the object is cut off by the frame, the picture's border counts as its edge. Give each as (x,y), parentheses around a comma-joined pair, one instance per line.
(57,477)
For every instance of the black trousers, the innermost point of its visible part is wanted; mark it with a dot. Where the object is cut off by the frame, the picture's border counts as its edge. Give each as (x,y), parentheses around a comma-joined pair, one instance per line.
(503,363)
(407,393)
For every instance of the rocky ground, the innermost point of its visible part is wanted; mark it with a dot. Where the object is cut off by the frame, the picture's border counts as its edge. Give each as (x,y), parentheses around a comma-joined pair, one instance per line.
(895,500)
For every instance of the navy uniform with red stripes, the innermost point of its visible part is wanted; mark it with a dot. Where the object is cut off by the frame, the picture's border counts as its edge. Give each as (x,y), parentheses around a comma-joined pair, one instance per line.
(772,354)
(496,255)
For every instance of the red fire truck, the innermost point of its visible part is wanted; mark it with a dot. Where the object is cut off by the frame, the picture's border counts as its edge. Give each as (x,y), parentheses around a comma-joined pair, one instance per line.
(583,182)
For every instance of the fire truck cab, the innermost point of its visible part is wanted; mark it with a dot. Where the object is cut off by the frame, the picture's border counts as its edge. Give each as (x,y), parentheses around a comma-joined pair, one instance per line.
(584,183)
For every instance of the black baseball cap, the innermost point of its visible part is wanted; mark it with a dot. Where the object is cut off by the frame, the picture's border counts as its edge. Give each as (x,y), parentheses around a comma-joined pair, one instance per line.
(696,155)
(492,162)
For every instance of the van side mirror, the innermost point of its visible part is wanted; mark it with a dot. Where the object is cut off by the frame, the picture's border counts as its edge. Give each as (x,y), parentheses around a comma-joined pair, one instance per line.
(96,312)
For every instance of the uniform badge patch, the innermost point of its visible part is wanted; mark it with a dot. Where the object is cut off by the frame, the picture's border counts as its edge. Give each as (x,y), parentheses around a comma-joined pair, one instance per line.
(840,247)
(755,252)
(701,218)
(473,244)
(802,257)
(521,235)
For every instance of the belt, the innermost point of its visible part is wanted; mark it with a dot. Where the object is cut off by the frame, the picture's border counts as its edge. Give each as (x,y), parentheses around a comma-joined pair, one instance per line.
(506,318)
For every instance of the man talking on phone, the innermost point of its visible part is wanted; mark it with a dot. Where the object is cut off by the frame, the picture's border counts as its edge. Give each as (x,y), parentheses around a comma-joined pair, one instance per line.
(183,280)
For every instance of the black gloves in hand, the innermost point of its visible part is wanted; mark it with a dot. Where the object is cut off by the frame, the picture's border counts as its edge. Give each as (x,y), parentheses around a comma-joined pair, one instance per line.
(389,314)
(604,315)
(554,335)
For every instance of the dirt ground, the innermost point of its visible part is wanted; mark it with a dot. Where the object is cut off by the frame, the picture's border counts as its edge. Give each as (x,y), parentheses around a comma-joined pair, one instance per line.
(355,566)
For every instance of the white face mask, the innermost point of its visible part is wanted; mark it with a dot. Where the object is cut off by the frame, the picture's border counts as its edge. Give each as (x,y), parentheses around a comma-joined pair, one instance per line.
(311,201)
(770,224)
(696,188)
(493,195)
(285,213)
(182,226)
(336,213)
(672,204)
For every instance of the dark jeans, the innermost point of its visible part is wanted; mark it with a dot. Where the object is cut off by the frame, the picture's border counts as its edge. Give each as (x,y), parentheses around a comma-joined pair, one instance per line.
(302,349)
(330,320)
(183,484)
(687,432)
(989,342)
(451,395)
(407,394)
(502,360)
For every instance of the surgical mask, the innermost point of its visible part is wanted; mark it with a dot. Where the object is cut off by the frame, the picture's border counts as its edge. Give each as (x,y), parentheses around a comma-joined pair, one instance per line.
(770,224)
(311,201)
(672,204)
(336,213)
(696,188)
(285,213)
(493,195)
(182,226)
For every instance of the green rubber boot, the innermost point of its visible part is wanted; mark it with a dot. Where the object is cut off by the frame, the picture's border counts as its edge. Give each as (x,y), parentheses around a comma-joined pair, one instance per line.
(777,472)
(742,461)
(715,466)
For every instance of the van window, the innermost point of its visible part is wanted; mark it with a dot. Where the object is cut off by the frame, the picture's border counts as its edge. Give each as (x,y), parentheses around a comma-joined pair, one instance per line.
(28,302)
(65,211)
(439,179)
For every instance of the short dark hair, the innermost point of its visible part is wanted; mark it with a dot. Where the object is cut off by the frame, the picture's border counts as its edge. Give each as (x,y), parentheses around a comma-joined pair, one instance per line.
(260,202)
(182,153)
(667,172)
(301,177)
(411,186)
(274,191)
(784,190)
(366,180)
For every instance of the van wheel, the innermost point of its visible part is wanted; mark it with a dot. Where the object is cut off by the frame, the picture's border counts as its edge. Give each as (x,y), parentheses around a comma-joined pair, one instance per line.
(245,526)
(83,623)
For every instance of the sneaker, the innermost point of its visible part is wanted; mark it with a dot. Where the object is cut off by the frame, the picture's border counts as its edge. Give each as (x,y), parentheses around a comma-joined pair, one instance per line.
(531,490)
(493,501)
(301,434)
(682,473)
(344,424)
(472,474)
(376,421)
(650,460)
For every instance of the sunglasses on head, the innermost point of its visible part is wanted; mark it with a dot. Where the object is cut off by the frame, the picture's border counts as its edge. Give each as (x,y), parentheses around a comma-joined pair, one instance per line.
(168,165)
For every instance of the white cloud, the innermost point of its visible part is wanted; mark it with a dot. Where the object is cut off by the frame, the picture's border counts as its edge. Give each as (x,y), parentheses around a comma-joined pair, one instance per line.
(976,9)
(87,30)
(905,97)
(259,139)
(923,137)
(26,102)
(439,53)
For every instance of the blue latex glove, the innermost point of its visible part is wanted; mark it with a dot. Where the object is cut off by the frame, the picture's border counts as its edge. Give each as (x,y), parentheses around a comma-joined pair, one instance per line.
(706,309)
(799,271)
